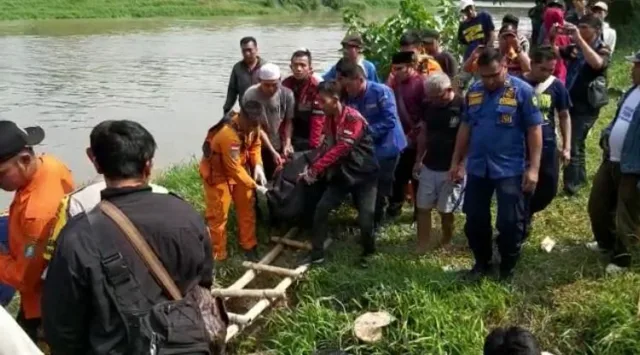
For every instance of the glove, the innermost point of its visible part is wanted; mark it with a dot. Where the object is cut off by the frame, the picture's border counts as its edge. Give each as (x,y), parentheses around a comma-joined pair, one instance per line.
(262,190)
(259,176)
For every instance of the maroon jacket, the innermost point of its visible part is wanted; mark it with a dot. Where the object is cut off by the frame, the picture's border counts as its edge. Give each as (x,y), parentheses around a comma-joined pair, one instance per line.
(308,119)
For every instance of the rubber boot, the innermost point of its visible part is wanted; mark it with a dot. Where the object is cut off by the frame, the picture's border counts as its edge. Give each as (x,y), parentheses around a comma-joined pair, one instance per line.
(425,239)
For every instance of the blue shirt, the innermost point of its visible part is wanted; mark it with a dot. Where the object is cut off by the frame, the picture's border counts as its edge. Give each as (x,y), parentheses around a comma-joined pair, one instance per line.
(369,70)
(555,98)
(475,31)
(499,122)
(378,106)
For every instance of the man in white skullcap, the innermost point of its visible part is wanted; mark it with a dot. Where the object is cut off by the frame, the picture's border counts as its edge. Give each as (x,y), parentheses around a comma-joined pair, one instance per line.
(279,103)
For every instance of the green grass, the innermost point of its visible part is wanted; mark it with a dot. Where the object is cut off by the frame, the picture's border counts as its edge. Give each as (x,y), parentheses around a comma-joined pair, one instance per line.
(564,296)
(72,9)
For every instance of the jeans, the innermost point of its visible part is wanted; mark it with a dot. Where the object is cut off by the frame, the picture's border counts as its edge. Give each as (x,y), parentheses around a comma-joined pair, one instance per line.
(403,174)
(614,211)
(364,198)
(385,179)
(575,174)
(511,219)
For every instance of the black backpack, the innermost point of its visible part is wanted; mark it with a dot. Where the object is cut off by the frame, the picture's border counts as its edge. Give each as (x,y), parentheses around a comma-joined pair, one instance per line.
(195,324)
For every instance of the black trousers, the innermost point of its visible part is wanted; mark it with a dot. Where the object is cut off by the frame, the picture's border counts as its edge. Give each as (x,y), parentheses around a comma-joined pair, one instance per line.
(331,196)
(268,164)
(575,174)
(548,177)
(30,326)
(403,174)
(386,176)
(511,219)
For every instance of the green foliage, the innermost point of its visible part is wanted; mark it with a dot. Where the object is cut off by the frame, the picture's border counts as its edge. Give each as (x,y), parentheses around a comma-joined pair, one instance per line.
(381,37)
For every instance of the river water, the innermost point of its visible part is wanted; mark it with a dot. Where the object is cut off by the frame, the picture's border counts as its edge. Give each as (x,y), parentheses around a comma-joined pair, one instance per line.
(169,75)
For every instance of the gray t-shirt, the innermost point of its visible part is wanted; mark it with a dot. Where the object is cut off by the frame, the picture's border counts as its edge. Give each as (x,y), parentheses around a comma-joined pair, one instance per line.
(277,108)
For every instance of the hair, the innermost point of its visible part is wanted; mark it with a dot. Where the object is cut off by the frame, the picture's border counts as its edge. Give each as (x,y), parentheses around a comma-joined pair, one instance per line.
(330,87)
(410,38)
(430,33)
(543,54)
(512,341)
(247,40)
(350,70)
(488,56)
(511,19)
(437,82)
(302,53)
(591,20)
(122,149)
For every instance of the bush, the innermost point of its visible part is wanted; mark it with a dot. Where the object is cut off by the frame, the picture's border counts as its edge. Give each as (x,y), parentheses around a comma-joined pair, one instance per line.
(381,38)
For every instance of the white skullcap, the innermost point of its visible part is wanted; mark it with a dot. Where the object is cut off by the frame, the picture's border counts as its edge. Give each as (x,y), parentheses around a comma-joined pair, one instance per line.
(269,71)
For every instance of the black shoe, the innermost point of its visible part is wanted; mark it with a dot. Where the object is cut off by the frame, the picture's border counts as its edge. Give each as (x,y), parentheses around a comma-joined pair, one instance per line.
(477,273)
(311,259)
(252,255)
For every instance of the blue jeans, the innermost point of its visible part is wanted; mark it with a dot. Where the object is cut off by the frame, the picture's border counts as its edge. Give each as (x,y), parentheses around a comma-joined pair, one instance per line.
(511,220)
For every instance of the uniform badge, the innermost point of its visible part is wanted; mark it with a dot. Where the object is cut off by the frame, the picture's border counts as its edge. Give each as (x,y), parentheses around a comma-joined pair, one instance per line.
(30,251)
(235,151)
(534,101)
(509,93)
(474,98)
(454,121)
(506,119)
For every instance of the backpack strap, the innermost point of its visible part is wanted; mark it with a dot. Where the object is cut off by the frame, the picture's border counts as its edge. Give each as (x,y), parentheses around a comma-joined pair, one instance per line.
(543,86)
(142,248)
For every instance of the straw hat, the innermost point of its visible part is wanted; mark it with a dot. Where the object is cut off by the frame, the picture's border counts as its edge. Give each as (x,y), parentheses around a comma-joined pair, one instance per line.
(368,327)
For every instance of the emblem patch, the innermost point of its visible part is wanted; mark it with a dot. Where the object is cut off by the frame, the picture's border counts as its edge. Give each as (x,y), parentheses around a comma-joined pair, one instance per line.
(509,93)
(454,121)
(30,251)
(506,119)
(534,101)
(235,151)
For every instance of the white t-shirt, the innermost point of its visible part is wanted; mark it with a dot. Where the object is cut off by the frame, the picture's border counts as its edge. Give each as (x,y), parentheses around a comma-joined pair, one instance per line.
(609,36)
(620,128)
(13,340)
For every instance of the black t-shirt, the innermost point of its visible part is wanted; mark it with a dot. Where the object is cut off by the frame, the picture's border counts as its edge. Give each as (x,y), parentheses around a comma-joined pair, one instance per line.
(555,98)
(586,75)
(442,125)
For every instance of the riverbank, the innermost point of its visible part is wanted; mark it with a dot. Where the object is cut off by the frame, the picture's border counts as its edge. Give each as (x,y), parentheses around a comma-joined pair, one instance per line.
(89,9)
(564,296)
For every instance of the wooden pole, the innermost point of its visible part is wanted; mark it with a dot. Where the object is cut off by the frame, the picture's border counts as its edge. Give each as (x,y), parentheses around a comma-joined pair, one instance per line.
(259,307)
(253,293)
(273,269)
(248,276)
(237,318)
(292,243)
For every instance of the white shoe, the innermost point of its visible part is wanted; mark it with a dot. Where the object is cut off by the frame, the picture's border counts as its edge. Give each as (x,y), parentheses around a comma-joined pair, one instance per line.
(613,269)
(593,246)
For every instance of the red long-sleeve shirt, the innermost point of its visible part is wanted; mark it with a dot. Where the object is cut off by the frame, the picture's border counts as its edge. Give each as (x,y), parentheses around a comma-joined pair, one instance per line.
(307,104)
(341,133)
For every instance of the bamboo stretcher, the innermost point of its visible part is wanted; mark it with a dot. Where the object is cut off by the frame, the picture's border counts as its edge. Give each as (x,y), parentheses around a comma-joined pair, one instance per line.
(265,297)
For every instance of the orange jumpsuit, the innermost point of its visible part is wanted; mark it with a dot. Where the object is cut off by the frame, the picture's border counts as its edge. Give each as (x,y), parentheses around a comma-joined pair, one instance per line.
(223,170)
(31,217)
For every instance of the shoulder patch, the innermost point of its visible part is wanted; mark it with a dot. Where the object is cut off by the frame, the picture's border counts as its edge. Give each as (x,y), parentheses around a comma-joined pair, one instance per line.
(475,98)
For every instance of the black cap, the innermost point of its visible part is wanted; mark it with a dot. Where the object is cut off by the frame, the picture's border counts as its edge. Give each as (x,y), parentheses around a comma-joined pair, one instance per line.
(352,39)
(555,3)
(14,139)
(403,58)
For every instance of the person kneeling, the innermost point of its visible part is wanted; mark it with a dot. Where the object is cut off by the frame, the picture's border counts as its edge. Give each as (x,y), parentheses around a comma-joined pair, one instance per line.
(228,146)
(345,165)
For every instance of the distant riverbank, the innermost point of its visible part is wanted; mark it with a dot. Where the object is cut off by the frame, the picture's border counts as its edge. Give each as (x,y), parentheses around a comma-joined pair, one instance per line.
(87,9)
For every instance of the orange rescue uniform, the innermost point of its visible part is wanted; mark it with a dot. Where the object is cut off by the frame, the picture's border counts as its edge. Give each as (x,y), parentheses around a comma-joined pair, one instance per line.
(31,217)
(223,169)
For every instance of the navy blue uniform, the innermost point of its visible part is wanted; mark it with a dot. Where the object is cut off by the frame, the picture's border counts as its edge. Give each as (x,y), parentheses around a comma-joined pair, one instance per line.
(554,99)
(498,123)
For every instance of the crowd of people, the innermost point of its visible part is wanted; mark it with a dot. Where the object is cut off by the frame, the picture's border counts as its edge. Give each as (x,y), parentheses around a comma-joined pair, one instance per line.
(457,137)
